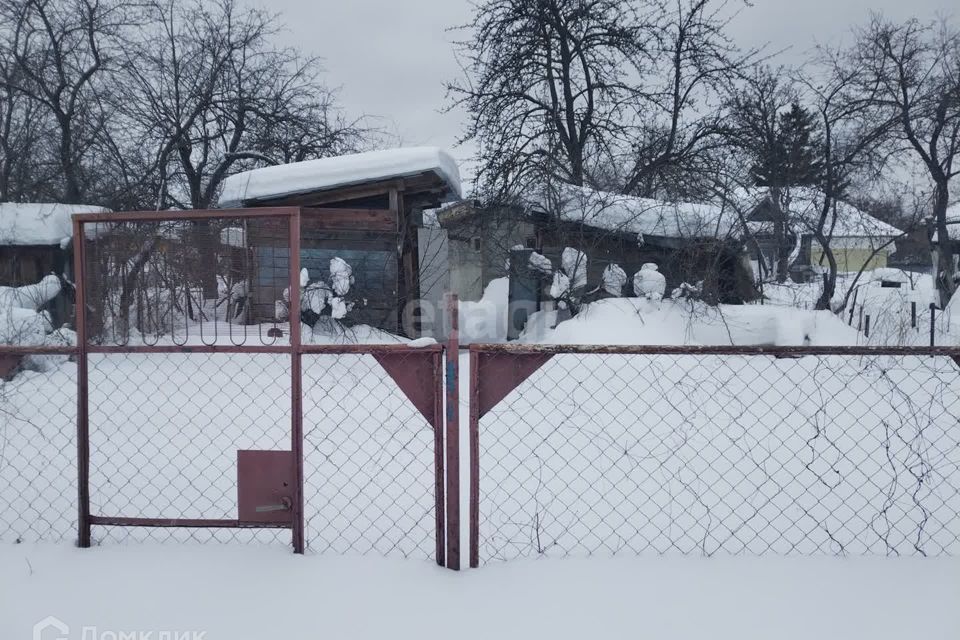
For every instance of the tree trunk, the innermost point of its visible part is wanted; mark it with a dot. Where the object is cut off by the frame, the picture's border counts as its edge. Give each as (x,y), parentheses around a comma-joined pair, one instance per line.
(946,272)
(829,278)
(782,252)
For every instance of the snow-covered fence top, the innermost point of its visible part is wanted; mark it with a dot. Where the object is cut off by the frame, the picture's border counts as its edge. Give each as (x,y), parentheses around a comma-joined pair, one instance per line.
(39,223)
(341,171)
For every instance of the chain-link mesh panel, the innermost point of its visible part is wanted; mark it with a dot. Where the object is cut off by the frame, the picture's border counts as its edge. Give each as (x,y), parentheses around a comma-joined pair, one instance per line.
(705,454)
(38,449)
(165,429)
(369,461)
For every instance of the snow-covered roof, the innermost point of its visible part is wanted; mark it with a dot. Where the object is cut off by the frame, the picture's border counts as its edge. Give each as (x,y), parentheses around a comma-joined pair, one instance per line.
(39,223)
(953,213)
(805,204)
(629,214)
(341,171)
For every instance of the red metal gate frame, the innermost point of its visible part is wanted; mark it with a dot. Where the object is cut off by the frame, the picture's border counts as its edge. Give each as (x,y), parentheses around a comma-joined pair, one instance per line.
(425,390)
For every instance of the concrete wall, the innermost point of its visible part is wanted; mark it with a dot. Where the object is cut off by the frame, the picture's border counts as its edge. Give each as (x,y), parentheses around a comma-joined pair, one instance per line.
(434,281)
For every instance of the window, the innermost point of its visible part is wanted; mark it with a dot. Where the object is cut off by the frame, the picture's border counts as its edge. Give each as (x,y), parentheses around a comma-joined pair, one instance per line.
(475,243)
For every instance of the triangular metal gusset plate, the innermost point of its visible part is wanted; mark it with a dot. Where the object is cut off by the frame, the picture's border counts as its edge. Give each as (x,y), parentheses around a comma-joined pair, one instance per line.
(418,376)
(501,373)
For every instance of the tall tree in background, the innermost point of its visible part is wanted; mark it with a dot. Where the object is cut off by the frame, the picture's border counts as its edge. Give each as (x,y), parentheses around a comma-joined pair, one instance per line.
(851,146)
(782,141)
(791,158)
(546,86)
(678,124)
(911,72)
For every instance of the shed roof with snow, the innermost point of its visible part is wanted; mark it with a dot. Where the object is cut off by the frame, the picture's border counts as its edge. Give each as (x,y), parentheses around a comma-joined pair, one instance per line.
(634,215)
(847,220)
(420,169)
(39,223)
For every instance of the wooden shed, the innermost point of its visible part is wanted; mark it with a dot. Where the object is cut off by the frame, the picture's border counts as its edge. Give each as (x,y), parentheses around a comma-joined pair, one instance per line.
(36,241)
(363,208)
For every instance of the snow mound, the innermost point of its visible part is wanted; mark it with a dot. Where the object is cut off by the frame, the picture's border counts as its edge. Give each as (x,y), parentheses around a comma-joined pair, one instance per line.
(341,171)
(614,279)
(574,264)
(638,321)
(649,282)
(486,320)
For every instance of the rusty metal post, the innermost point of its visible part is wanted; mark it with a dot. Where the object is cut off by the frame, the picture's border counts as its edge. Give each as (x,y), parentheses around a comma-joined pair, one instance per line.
(83,407)
(439,506)
(296,384)
(453,435)
(474,458)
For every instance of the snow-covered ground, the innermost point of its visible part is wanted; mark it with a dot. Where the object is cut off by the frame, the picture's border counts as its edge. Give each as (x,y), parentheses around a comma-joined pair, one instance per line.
(254,593)
(591,455)
(786,317)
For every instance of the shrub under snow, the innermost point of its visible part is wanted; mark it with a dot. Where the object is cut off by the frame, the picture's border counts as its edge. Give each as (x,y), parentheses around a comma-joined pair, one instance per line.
(649,282)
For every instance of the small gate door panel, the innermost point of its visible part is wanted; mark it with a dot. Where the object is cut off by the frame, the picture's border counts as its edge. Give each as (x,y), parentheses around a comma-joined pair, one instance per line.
(265,486)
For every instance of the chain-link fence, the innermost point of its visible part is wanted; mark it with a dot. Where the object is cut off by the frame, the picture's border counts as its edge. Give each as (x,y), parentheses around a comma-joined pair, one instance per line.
(193,409)
(38,444)
(373,467)
(580,450)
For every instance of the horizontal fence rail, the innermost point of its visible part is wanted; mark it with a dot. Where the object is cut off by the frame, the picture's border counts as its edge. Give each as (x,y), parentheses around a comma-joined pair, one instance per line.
(707,450)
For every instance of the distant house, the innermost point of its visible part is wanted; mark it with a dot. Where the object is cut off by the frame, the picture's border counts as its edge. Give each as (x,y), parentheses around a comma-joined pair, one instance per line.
(36,241)
(691,242)
(364,208)
(858,240)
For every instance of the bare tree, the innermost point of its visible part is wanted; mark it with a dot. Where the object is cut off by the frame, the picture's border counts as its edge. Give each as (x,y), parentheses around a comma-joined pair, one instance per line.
(679,121)
(61,48)
(545,86)
(21,124)
(853,137)
(912,73)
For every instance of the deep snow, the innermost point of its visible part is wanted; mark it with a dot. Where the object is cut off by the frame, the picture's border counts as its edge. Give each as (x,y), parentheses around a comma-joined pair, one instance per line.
(246,593)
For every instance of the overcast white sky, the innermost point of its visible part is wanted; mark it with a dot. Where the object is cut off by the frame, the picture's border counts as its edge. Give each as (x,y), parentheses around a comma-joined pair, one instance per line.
(391,57)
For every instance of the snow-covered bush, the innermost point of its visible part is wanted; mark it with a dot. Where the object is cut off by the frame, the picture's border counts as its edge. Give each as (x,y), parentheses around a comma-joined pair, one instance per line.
(649,282)
(560,287)
(22,323)
(541,263)
(574,264)
(319,298)
(614,279)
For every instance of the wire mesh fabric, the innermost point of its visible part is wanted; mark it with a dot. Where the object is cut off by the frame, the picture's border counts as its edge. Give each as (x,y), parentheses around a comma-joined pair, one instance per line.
(38,446)
(372,459)
(612,453)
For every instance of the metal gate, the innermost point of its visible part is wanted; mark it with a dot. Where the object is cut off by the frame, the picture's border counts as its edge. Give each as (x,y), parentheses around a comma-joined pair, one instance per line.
(201,415)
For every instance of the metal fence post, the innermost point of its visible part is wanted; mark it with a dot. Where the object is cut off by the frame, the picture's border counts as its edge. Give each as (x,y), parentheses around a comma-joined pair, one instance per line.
(83,406)
(474,459)
(296,384)
(933,322)
(453,435)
